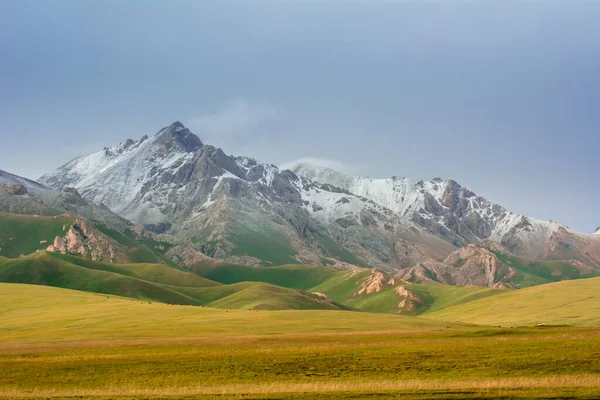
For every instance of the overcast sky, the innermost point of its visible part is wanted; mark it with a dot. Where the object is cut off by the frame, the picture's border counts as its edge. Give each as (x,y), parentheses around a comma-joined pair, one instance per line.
(502,96)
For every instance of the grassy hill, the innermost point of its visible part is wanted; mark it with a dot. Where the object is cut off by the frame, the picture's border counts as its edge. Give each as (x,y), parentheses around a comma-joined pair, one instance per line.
(531,273)
(137,251)
(22,234)
(70,315)
(575,302)
(26,234)
(303,277)
(152,282)
(343,286)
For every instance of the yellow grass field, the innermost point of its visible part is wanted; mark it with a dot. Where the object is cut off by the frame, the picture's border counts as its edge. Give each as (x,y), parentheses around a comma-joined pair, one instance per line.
(575,302)
(58,343)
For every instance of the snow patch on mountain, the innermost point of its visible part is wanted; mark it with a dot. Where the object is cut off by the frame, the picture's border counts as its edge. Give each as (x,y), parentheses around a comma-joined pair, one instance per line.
(441,202)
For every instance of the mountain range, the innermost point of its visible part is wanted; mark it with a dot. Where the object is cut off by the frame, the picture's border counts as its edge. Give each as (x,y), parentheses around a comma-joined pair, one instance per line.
(207,206)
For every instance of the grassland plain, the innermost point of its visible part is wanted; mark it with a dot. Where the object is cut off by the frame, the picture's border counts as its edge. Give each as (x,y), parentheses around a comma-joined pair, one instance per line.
(575,302)
(57,343)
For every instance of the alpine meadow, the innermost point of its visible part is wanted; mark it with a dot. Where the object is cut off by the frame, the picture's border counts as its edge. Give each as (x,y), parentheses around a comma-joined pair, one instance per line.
(299,200)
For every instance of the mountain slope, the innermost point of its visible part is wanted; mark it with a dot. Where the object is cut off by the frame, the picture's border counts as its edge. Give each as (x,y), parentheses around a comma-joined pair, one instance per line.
(49,314)
(240,210)
(459,216)
(32,187)
(489,264)
(25,234)
(19,195)
(570,303)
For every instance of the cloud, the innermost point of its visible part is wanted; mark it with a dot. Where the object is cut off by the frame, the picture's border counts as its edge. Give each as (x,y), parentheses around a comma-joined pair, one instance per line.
(237,123)
(321,162)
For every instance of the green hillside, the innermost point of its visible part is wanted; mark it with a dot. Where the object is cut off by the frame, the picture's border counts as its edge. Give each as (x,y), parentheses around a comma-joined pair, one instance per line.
(303,277)
(136,251)
(531,273)
(22,234)
(343,286)
(152,282)
(53,270)
(26,234)
(53,313)
(575,302)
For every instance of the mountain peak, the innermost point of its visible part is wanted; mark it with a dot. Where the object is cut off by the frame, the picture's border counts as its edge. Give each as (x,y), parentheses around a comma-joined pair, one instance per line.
(317,172)
(177,124)
(179,137)
(597,232)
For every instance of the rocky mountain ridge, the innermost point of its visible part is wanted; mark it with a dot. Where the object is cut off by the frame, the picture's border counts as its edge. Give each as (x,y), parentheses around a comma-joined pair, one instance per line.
(173,183)
(208,204)
(459,216)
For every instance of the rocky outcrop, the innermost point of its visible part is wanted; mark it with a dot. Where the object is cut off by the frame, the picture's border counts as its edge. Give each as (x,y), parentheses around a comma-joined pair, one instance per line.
(471,265)
(410,300)
(323,299)
(84,239)
(13,190)
(374,283)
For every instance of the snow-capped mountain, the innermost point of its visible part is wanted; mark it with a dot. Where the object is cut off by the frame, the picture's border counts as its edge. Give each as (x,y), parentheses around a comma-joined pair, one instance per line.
(238,209)
(453,212)
(235,208)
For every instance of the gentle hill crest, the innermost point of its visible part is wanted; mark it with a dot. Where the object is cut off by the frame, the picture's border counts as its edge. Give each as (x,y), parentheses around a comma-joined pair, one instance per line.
(154,282)
(574,302)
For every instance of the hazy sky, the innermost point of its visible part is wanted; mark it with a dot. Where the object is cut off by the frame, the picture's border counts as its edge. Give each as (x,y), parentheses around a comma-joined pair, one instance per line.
(502,96)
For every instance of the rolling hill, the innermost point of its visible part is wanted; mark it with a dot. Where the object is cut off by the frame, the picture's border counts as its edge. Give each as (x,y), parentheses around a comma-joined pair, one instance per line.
(56,314)
(25,234)
(153,282)
(574,302)
(363,289)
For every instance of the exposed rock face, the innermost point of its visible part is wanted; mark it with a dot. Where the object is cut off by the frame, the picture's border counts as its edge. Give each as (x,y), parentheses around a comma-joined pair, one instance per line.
(83,238)
(30,186)
(215,204)
(324,299)
(456,214)
(13,189)
(374,283)
(409,302)
(490,264)
(471,265)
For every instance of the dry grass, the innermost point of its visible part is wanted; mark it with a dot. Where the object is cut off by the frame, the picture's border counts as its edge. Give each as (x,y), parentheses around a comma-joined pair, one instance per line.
(575,302)
(56,343)
(582,381)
